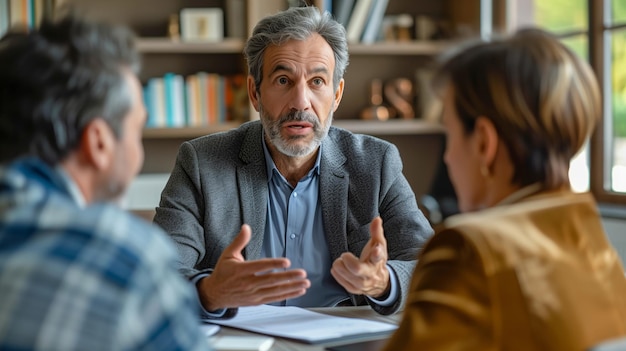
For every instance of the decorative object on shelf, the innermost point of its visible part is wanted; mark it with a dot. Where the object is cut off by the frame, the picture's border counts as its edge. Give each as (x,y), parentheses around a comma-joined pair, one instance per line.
(429,104)
(376,110)
(202,24)
(173,27)
(400,95)
(397,27)
(425,27)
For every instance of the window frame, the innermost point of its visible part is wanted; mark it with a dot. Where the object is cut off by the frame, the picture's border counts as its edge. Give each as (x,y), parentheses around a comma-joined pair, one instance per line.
(600,160)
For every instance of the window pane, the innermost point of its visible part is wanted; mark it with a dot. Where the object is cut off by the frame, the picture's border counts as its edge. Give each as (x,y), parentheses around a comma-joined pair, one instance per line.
(579,44)
(579,170)
(618,11)
(618,110)
(561,16)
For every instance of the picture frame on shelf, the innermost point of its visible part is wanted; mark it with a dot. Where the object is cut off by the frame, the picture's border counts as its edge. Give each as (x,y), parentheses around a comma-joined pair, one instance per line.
(202,24)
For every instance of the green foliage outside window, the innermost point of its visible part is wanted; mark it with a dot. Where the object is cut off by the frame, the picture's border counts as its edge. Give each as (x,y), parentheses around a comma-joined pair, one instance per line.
(562,16)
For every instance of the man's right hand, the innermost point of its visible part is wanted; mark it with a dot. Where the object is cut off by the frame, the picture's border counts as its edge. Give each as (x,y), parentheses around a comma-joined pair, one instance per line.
(236,282)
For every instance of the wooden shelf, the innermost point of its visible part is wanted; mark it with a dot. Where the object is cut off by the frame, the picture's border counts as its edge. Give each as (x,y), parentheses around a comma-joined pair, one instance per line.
(400,48)
(392,127)
(235,46)
(186,132)
(168,46)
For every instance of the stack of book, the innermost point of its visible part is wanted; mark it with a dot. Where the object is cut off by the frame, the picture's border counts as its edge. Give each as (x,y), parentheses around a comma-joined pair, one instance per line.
(24,13)
(200,99)
(363,19)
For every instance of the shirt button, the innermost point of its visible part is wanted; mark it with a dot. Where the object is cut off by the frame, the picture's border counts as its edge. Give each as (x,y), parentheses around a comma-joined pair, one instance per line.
(293,236)
(295,194)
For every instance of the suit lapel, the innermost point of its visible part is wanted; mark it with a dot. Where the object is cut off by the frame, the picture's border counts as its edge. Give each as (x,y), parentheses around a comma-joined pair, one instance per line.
(252,182)
(334,183)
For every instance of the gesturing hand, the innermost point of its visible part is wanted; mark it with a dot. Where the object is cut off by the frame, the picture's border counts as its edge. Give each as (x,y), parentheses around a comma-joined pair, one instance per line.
(236,282)
(367,275)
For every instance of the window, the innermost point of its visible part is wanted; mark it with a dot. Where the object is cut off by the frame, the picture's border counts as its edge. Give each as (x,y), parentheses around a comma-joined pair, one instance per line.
(608,57)
(595,29)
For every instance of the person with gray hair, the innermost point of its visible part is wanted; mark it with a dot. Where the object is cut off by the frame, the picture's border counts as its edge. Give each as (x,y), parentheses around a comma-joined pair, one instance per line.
(77,273)
(289,210)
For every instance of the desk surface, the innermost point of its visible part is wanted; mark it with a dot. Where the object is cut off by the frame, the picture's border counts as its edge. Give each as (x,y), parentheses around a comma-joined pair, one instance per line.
(280,344)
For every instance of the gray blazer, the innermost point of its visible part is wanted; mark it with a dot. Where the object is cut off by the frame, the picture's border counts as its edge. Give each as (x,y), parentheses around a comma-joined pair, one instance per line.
(220,180)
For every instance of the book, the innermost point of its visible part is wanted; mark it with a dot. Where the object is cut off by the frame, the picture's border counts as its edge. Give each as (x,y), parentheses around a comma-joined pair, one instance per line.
(235,25)
(4,16)
(192,100)
(374,21)
(16,14)
(357,20)
(157,98)
(342,9)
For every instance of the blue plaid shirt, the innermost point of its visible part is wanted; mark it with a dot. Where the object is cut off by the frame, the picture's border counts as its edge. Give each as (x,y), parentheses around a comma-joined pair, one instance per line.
(85,278)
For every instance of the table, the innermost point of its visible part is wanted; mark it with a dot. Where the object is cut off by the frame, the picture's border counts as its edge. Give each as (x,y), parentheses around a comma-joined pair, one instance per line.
(281,344)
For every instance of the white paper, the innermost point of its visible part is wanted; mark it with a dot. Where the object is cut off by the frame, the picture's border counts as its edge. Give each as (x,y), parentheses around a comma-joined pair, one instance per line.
(209,329)
(301,324)
(241,343)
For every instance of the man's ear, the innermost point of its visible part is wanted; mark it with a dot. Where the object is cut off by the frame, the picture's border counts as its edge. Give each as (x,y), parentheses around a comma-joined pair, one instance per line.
(487,141)
(97,144)
(338,94)
(252,93)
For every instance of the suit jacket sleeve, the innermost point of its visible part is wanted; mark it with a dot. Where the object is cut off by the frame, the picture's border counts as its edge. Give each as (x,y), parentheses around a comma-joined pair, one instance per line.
(180,211)
(406,228)
(180,214)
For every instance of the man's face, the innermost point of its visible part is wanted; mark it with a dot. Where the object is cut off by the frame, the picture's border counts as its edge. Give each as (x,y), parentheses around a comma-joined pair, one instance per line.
(296,99)
(128,153)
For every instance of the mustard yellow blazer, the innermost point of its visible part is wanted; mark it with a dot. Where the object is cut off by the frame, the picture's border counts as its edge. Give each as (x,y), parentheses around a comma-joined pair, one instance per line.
(535,274)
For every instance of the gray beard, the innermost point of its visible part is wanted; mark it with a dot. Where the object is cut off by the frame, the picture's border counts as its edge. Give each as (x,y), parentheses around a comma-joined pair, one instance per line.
(272,132)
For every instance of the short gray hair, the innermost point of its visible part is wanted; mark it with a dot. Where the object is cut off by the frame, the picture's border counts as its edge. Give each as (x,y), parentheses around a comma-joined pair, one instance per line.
(297,23)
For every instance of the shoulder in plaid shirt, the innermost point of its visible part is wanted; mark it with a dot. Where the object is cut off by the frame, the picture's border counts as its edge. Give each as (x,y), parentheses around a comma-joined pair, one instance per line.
(93,278)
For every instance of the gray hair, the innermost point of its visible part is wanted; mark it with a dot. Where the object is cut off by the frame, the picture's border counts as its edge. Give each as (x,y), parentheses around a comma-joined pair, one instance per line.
(296,23)
(58,78)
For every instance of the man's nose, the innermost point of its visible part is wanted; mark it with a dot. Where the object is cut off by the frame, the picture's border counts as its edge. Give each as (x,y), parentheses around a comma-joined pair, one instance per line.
(300,97)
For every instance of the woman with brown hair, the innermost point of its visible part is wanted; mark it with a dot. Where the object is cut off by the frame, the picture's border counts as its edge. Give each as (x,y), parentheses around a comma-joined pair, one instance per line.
(527,266)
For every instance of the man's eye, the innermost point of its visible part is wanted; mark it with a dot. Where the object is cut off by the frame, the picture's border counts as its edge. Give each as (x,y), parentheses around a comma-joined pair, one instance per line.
(283,80)
(318,81)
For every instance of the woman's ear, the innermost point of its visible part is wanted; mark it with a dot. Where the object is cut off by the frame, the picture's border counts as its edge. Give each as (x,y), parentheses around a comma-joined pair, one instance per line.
(488,141)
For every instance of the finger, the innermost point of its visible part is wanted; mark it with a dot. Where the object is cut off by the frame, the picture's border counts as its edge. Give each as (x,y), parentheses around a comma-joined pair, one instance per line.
(352,264)
(239,243)
(376,231)
(279,278)
(376,248)
(262,266)
(279,293)
(344,279)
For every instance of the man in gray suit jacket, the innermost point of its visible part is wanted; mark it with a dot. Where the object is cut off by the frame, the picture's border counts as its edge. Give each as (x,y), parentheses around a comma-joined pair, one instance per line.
(289,210)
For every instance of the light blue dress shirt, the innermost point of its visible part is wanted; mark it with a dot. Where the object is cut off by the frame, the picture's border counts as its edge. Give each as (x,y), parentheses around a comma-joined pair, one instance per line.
(294,229)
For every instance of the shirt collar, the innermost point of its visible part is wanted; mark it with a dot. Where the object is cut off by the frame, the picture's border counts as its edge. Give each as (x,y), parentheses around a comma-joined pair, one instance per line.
(271,166)
(521,193)
(72,187)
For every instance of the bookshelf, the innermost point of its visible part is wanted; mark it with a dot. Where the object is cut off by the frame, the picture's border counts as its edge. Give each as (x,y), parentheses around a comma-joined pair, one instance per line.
(419,141)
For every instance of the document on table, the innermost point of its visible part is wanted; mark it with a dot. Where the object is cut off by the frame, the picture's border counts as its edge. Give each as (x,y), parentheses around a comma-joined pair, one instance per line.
(303,325)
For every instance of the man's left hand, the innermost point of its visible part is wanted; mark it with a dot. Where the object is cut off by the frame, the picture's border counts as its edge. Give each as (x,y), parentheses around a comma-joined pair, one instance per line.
(367,275)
